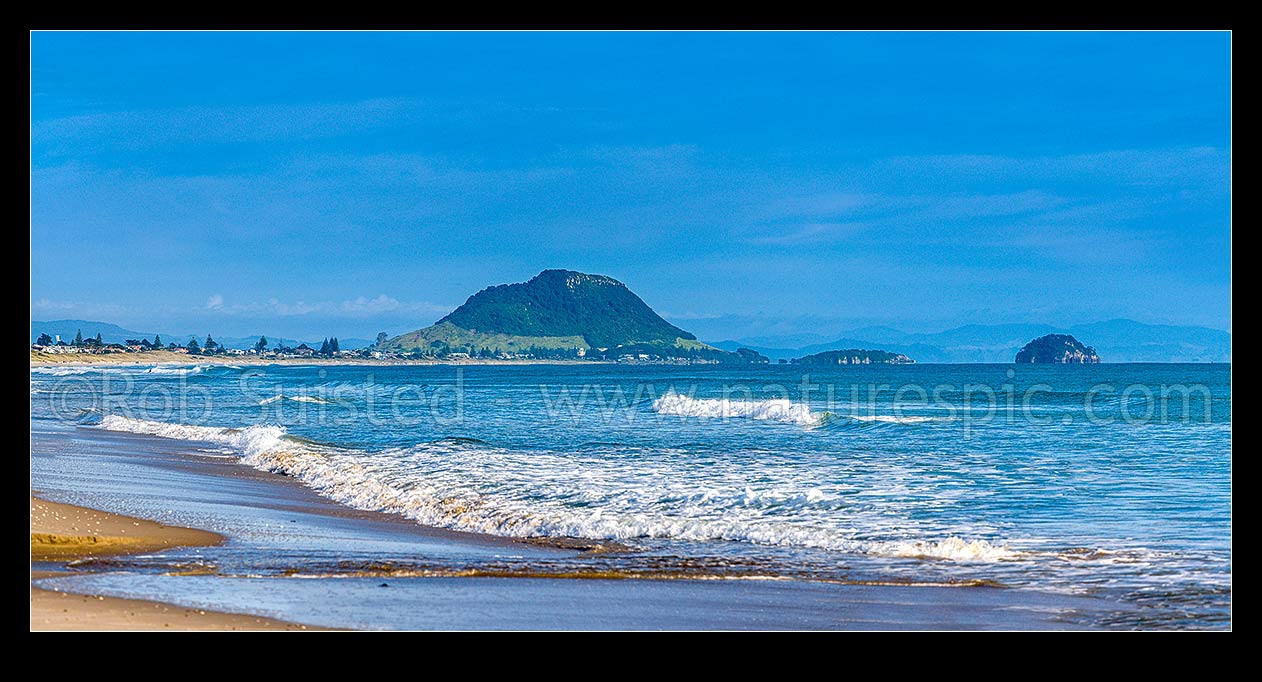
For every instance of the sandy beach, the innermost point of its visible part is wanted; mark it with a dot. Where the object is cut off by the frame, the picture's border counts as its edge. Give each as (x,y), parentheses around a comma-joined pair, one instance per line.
(63,532)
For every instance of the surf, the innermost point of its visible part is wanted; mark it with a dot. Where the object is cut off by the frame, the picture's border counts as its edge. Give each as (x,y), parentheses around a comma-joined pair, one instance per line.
(780,410)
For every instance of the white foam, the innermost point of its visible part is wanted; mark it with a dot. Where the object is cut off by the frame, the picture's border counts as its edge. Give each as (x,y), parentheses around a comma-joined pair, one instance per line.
(778,410)
(250,441)
(294,398)
(71,370)
(484,489)
(177,370)
(952,548)
(890,419)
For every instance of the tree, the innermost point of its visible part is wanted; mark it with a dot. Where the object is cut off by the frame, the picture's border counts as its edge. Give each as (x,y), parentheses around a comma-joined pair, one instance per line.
(324,347)
(44,340)
(211,345)
(99,342)
(381,338)
(261,345)
(333,347)
(78,338)
(157,340)
(192,346)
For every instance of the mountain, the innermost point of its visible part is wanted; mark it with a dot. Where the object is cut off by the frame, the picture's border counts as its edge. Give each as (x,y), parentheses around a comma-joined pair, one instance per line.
(112,333)
(854,356)
(1117,340)
(1057,349)
(600,309)
(559,313)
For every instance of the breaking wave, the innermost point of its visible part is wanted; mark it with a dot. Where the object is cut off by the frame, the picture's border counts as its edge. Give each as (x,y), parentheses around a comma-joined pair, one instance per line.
(469,485)
(295,398)
(777,410)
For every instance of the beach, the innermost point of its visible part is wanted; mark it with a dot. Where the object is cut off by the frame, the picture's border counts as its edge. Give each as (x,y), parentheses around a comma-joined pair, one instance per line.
(62,533)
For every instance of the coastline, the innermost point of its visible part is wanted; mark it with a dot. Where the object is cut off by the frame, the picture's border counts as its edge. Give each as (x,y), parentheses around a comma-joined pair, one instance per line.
(62,533)
(282,534)
(169,358)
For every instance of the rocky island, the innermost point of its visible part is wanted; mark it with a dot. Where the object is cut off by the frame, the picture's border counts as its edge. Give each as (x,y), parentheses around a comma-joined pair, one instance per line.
(854,357)
(1057,349)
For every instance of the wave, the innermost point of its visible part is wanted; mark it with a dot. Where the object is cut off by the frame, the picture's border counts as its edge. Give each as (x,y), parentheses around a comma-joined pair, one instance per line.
(891,419)
(472,486)
(307,399)
(177,370)
(954,549)
(60,371)
(252,441)
(160,370)
(777,410)
(295,398)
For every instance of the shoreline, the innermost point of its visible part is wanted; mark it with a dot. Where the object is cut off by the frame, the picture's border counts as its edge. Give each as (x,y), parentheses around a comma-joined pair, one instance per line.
(62,533)
(39,359)
(276,525)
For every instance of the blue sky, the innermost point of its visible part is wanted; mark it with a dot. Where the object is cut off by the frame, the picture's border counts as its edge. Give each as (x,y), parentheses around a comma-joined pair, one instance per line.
(340,183)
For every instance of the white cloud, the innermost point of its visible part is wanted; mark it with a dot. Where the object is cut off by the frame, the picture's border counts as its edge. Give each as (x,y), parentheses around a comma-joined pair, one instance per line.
(359,307)
(812,233)
(215,302)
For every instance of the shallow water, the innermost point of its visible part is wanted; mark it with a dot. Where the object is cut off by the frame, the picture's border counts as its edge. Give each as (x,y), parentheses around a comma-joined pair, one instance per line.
(1071,480)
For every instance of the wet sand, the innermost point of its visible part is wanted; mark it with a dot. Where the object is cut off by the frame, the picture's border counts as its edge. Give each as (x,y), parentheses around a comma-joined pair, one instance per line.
(66,612)
(63,532)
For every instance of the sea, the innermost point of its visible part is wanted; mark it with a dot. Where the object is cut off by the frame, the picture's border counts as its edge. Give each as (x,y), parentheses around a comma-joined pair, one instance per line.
(1108,481)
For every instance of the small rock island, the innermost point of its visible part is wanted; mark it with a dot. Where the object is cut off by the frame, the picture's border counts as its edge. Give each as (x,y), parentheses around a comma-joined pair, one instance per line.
(1057,349)
(854,356)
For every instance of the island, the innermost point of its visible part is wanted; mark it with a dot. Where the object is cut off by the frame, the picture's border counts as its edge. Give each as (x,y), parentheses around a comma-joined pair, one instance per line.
(560,315)
(1057,349)
(854,356)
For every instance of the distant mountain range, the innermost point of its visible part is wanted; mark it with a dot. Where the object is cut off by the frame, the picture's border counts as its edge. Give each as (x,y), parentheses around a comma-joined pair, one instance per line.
(1114,340)
(112,333)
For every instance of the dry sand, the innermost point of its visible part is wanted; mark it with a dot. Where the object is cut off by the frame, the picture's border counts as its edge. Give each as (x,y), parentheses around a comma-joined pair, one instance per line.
(63,532)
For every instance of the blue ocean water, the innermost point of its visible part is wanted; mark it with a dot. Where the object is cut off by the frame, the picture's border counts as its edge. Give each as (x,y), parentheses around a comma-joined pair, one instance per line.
(1105,480)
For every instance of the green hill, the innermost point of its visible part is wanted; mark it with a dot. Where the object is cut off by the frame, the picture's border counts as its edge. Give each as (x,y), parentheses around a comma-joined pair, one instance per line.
(558,314)
(600,309)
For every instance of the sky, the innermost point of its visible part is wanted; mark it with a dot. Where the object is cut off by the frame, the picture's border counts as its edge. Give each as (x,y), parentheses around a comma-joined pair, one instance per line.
(315,184)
